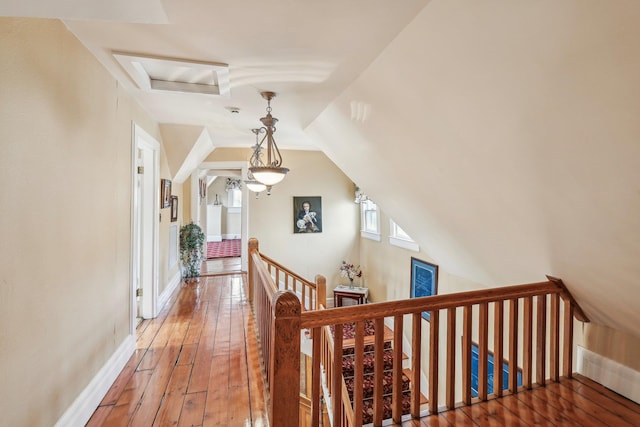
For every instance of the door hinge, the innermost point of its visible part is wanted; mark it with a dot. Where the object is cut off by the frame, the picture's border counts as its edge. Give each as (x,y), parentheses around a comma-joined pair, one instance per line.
(140,170)
(139,292)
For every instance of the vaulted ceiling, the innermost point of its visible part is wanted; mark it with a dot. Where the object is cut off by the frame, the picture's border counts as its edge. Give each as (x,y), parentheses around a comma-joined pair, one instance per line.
(503,136)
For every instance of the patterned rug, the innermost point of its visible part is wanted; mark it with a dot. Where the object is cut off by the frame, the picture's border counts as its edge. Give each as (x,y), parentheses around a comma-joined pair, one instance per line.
(224,249)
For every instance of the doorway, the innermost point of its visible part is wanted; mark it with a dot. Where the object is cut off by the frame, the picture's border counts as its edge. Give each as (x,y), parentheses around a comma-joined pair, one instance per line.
(144,225)
(199,209)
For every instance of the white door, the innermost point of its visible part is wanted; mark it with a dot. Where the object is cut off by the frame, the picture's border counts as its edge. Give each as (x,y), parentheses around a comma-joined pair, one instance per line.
(145,223)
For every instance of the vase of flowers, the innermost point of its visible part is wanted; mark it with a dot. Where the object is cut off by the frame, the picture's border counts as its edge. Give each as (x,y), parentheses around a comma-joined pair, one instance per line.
(350,271)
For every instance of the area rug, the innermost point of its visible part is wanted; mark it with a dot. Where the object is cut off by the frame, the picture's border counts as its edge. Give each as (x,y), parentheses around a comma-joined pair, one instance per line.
(223,249)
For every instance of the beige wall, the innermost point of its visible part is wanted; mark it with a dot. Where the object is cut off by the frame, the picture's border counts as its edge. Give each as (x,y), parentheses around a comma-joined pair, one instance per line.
(271,217)
(65,168)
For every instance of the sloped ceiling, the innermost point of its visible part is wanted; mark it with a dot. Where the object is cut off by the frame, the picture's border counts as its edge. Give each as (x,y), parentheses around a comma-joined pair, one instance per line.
(505,138)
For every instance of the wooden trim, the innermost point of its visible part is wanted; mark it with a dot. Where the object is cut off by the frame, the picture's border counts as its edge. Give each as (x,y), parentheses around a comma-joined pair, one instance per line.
(284,384)
(541,340)
(312,319)
(466,354)
(554,339)
(434,333)
(567,364)
(564,292)
(513,345)
(416,347)
(316,403)
(337,372)
(378,372)
(498,347)
(527,339)
(358,374)
(451,358)
(483,332)
(396,401)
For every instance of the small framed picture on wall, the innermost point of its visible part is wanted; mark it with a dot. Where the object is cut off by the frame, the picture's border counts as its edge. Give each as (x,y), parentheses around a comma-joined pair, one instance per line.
(165,193)
(174,208)
(307,214)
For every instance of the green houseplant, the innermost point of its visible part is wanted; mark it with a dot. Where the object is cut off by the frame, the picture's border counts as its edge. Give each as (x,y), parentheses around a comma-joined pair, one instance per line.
(192,249)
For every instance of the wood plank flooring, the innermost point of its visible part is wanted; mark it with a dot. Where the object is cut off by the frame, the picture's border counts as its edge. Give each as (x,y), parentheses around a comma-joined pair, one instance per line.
(196,364)
(571,402)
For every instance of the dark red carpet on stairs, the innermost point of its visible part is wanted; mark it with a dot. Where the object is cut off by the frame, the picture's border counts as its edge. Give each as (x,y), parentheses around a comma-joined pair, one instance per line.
(223,249)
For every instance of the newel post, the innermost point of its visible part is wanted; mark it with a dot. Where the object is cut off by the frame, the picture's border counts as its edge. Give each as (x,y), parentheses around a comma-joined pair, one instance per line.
(253,246)
(284,383)
(321,291)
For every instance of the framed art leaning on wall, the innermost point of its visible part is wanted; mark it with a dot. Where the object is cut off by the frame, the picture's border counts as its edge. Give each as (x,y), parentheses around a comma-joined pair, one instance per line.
(424,281)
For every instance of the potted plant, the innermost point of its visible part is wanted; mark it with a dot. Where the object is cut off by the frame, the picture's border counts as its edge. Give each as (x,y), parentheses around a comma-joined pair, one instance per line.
(192,249)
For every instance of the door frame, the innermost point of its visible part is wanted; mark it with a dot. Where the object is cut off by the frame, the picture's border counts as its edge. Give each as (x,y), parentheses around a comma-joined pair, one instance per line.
(141,139)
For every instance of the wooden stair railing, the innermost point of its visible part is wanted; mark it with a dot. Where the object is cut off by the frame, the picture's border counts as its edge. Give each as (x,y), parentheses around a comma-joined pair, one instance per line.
(533,314)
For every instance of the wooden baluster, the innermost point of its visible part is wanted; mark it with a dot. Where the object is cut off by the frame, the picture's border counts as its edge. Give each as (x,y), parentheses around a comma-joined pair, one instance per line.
(498,345)
(358,374)
(284,384)
(541,340)
(416,345)
(451,358)
(321,291)
(316,402)
(483,350)
(434,339)
(527,351)
(466,354)
(337,372)
(304,288)
(378,372)
(251,275)
(396,401)
(513,346)
(568,339)
(554,340)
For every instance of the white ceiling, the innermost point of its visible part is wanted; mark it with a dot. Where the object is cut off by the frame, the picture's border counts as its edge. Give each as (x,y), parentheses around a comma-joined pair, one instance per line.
(306,52)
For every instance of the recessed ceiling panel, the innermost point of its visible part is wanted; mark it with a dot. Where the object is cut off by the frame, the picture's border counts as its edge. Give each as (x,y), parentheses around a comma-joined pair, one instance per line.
(175,75)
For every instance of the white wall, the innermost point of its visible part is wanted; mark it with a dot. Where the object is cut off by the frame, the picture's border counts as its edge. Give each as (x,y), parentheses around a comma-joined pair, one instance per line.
(65,168)
(505,135)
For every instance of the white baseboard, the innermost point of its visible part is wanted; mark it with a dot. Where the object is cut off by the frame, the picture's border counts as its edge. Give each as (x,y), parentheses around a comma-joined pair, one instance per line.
(173,284)
(88,400)
(613,375)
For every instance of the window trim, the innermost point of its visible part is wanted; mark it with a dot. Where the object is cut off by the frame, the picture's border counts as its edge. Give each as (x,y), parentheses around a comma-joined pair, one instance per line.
(401,242)
(369,234)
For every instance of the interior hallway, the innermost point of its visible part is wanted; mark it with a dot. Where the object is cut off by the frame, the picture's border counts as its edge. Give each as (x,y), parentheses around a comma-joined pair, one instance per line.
(196,364)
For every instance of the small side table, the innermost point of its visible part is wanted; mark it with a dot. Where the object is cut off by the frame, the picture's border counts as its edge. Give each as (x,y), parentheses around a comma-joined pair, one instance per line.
(344,291)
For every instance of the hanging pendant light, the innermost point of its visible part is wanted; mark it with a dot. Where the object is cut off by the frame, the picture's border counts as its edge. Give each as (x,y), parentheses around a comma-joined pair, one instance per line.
(252,183)
(268,171)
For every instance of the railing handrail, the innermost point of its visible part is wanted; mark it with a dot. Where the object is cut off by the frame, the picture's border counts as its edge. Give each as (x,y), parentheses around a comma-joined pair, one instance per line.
(314,319)
(282,316)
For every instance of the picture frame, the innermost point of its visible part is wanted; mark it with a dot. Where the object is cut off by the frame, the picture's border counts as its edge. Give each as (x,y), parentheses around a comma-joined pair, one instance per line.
(165,194)
(307,220)
(424,281)
(174,208)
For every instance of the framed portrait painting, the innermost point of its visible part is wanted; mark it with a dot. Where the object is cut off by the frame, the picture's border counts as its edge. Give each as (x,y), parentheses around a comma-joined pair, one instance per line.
(424,281)
(165,193)
(307,214)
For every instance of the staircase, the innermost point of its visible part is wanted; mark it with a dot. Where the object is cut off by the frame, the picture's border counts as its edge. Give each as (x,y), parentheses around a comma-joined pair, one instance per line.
(348,364)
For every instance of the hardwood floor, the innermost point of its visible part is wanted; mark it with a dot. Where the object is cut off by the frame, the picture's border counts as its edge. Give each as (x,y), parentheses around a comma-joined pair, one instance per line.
(196,364)
(216,266)
(571,402)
